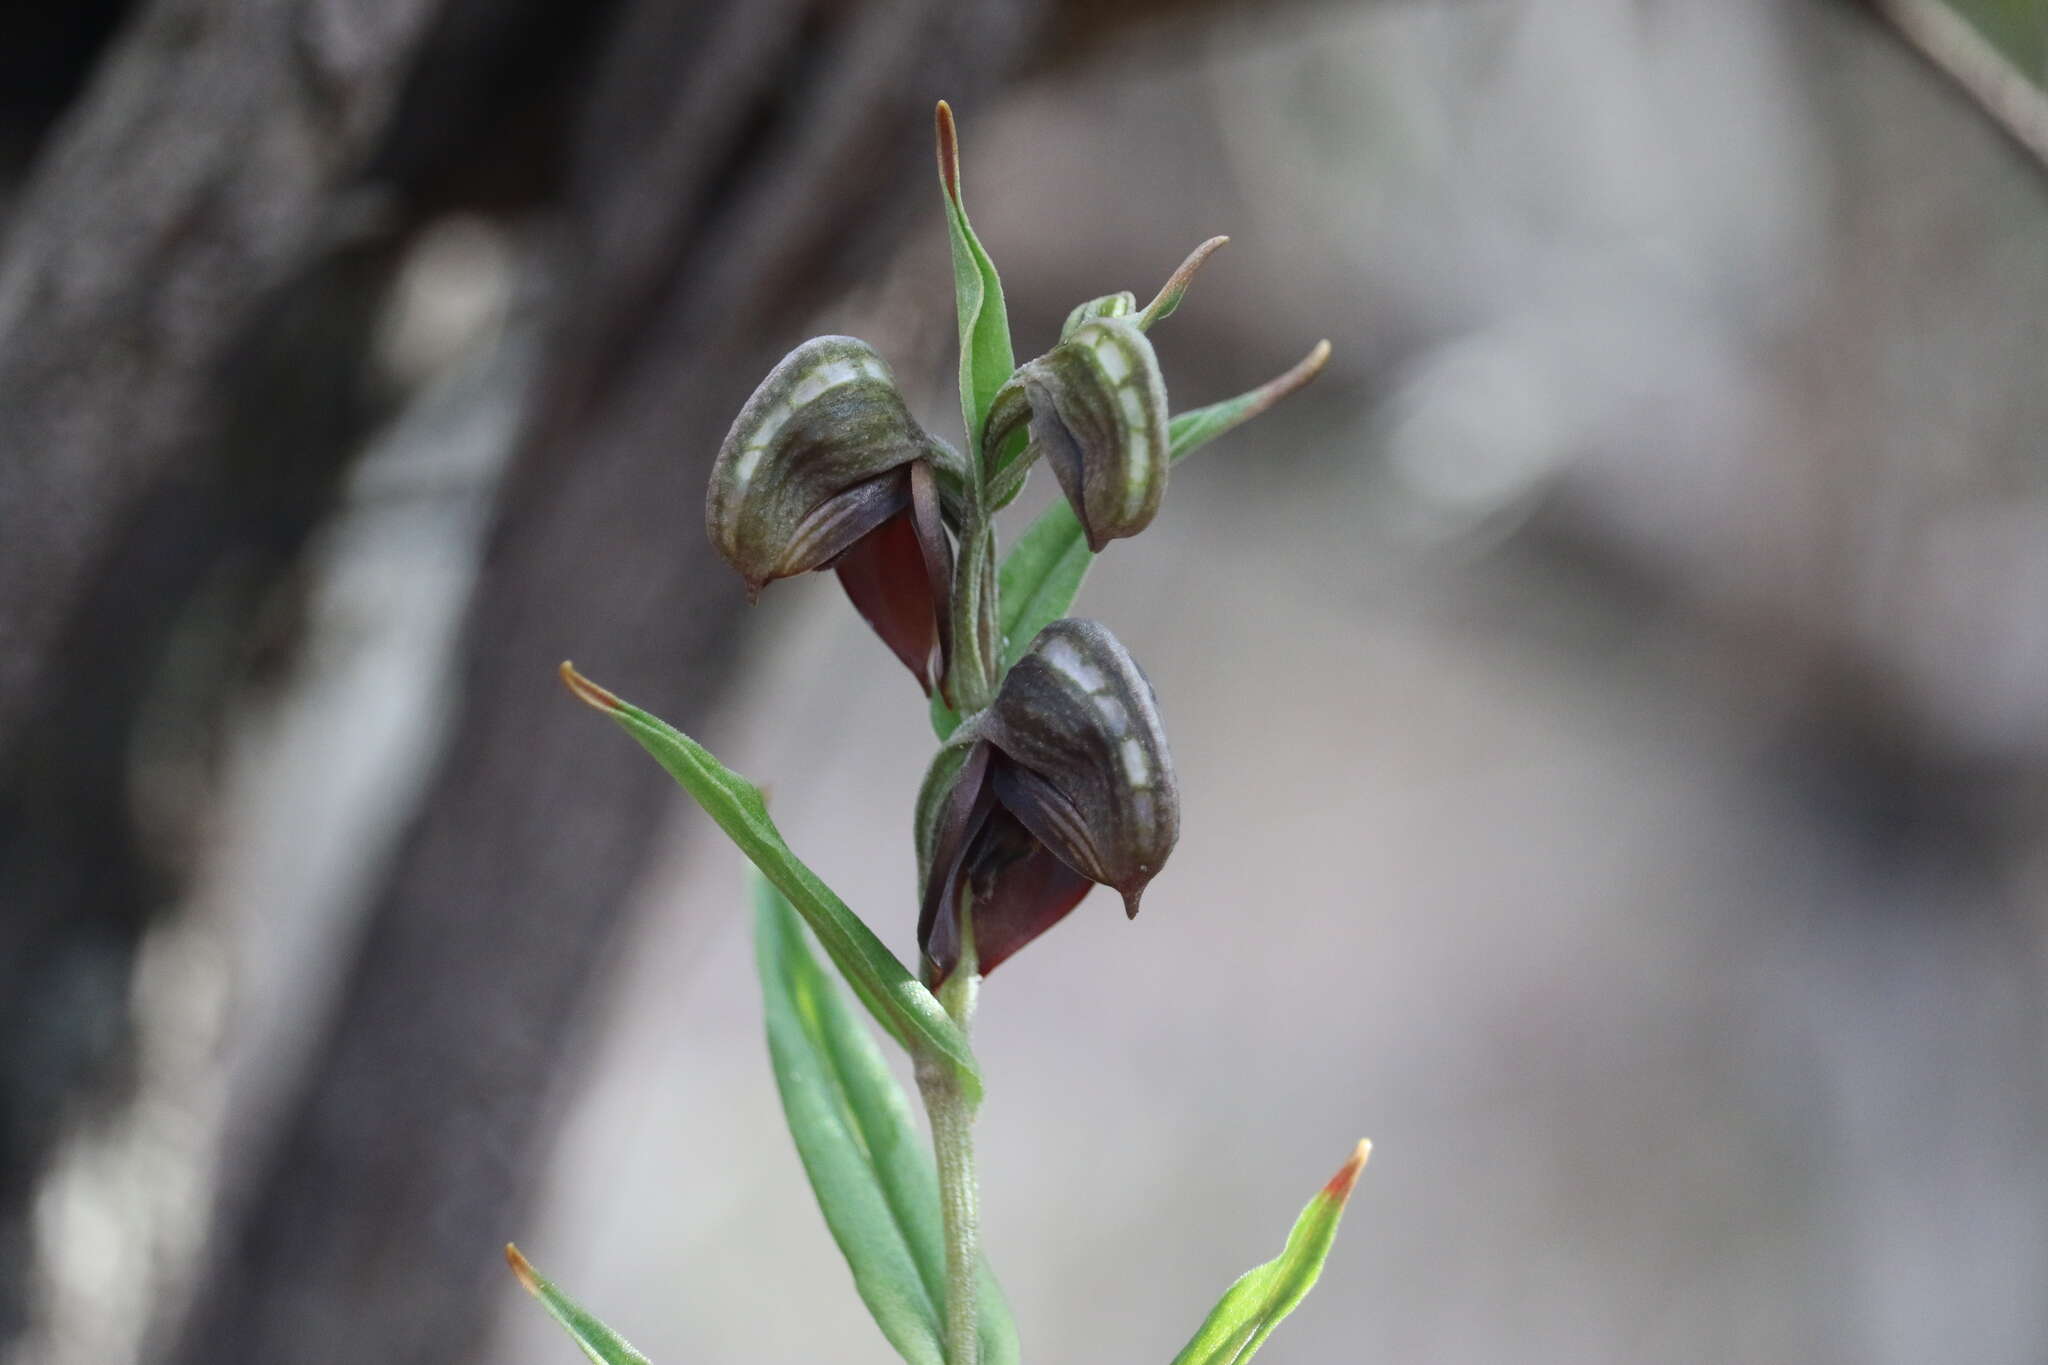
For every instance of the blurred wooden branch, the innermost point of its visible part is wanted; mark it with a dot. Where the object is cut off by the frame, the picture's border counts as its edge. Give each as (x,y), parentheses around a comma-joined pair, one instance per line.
(194,175)
(1954,47)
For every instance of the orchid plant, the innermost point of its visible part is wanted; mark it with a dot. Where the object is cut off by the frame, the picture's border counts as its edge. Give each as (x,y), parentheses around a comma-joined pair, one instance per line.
(1052,773)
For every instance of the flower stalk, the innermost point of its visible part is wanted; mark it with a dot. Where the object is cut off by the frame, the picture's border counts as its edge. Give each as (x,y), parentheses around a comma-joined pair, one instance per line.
(951,1111)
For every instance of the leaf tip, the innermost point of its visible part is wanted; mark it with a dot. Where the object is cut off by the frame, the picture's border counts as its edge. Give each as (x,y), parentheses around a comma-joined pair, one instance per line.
(1339,1186)
(523,1270)
(949,150)
(588,692)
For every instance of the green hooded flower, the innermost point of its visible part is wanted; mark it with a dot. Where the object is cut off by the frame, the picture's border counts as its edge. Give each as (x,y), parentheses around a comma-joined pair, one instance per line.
(826,468)
(1063,783)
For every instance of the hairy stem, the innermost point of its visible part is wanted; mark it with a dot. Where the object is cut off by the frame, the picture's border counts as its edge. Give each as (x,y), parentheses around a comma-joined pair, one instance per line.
(952,1119)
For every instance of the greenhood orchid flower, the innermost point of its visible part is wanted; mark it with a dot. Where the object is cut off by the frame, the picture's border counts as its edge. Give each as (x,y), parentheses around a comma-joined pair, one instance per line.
(1066,782)
(826,468)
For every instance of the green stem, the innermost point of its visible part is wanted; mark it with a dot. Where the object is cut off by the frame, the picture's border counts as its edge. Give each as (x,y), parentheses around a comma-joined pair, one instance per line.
(977,644)
(952,1119)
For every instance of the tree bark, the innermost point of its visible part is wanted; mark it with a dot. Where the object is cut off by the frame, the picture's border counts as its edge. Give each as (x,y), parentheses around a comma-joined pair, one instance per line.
(161,228)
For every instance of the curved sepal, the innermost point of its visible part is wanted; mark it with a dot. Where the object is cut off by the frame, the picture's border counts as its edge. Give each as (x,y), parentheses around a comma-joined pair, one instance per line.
(1176,287)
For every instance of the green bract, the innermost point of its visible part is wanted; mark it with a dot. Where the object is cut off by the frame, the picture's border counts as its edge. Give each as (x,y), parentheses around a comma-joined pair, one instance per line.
(1247,1314)
(985,355)
(597,1341)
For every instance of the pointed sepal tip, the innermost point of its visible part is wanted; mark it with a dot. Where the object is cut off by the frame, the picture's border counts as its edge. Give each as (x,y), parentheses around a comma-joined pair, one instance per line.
(1176,287)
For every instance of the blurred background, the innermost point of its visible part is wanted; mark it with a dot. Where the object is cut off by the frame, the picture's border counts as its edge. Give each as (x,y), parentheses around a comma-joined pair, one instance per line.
(1611,704)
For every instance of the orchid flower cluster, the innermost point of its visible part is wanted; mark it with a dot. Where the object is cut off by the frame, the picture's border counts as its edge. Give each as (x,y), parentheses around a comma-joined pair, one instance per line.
(1052,774)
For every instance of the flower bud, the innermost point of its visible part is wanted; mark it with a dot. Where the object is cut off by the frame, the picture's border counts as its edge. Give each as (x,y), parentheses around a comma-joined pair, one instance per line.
(1097,411)
(1068,783)
(820,470)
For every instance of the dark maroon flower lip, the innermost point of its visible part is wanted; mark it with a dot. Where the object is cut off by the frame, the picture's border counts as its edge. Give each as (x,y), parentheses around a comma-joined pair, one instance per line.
(899,576)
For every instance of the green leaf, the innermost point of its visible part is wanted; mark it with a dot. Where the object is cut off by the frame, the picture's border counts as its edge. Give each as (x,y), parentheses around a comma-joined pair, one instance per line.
(1191,430)
(860,1146)
(899,1002)
(599,1342)
(1042,574)
(986,359)
(1254,1306)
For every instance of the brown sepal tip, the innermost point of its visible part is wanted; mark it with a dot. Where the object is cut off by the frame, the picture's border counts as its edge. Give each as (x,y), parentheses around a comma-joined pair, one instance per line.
(1312,364)
(949,150)
(1339,1186)
(529,1280)
(1176,287)
(588,692)
(1305,369)
(1286,385)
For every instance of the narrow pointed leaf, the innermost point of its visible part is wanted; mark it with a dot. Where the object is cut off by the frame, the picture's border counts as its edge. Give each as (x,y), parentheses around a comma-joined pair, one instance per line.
(911,1014)
(1042,574)
(1189,430)
(860,1146)
(986,359)
(599,1342)
(1251,1308)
